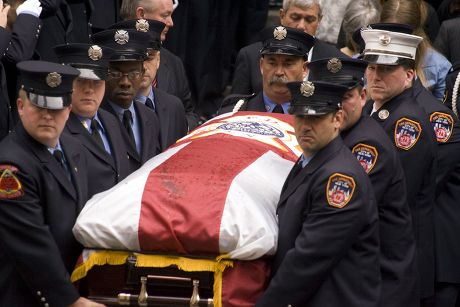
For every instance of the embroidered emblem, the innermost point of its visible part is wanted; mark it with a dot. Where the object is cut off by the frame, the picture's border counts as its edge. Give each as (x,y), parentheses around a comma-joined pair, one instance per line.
(307,88)
(95,53)
(10,186)
(443,125)
(384,40)
(253,128)
(121,37)
(366,156)
(334,65)
(53,79)
(339,190)
(280,33)
(407,133)
(383,114)
(142,25)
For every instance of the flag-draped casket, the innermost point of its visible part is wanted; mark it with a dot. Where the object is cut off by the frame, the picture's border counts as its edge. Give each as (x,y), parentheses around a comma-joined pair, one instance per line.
(214,193)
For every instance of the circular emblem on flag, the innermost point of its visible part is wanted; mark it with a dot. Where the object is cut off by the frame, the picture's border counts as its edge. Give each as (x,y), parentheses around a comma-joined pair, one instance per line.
(366,156)
(142,25)
(407,133)
(53,79)
(95,52)
(10,186)
(280,33)
(334,65)
(340,189)
(383,114)
(307,88)
(443,125)
(384,40)
(121,37)
(252,127)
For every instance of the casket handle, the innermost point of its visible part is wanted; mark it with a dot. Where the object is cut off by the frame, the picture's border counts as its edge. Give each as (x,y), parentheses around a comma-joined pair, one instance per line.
(143,296)
(195,299)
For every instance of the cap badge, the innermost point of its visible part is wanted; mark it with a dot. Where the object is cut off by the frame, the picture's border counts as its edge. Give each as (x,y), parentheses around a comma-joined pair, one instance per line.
(384,40)
(53,79)
(383,114)
(142,25)
(334,65)
(307,88)
(95,53)
(280,33)
(121,37)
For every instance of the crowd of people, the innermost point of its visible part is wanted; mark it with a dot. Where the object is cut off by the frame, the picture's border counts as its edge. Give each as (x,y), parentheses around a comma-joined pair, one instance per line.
(367,216)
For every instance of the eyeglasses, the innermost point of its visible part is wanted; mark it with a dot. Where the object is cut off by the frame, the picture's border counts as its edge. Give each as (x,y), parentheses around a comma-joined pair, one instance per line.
(132,75)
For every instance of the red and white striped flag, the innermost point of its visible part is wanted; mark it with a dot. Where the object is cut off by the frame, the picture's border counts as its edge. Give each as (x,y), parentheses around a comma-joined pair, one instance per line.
(214,192)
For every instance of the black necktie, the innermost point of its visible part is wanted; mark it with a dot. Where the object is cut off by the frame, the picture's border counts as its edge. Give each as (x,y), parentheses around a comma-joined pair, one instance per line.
(59,156)
(278,109)
(95,133)
(149,104)
(127,120)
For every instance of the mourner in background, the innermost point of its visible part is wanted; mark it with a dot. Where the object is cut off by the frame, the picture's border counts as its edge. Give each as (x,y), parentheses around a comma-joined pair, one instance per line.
(43,187)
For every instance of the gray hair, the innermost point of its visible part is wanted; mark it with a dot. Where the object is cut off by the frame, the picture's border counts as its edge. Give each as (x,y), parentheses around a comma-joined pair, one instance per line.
(303,4)
(360,13)
(128,7)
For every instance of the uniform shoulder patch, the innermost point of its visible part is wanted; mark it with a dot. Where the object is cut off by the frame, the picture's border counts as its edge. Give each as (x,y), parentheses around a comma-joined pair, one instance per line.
(339,190)
(443,124)
(10,186)
(366,155)
(407,133)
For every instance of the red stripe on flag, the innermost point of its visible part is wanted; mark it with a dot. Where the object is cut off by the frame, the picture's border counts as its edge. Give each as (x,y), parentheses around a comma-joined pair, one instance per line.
(184,197)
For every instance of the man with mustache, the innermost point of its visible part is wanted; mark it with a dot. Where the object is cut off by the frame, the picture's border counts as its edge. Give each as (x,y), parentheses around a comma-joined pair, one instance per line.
(328,245)
(140,125)
(390,75)
(283,59)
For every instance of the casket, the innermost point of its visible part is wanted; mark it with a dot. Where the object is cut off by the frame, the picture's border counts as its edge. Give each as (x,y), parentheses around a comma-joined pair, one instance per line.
(201,216)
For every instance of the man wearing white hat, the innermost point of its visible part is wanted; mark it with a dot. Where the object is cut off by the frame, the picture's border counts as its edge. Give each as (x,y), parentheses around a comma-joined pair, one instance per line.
(390,74)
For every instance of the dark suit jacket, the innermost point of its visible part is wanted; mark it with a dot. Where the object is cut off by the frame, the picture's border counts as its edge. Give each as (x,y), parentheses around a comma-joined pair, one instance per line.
(372,147)
(150,134)
(251,103)
(172,79)
(419,164)
(447,223)
(171,114)
(447,40)
(104,169)
(247,78)
(38,250)
(326,255)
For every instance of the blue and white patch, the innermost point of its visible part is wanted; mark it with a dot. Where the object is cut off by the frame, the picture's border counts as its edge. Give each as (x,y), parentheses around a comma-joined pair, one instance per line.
(366,156)
(252,127)
(339,190)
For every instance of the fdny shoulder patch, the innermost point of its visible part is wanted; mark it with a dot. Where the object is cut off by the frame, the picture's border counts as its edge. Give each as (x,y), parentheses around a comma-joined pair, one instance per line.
(366,155)
(443,125)
(339,190)
(10,186)
(407,133)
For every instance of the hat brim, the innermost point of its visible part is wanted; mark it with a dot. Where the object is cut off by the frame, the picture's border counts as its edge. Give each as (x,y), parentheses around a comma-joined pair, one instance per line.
(383,59)
(50,102)
(283,50)
(128,57)
(310,110)
(92,74)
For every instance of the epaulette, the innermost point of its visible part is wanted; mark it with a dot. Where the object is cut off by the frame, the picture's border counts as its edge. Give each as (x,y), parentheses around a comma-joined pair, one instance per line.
(233,100)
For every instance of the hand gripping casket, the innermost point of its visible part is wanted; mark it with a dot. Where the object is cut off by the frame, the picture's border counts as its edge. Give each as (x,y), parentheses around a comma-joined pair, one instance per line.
(201,214)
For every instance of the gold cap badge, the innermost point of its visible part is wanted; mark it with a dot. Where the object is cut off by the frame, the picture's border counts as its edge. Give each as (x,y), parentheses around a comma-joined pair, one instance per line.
(95,52)
(307,88)
(142,25)
(121,37)
(53,79)
(383,114)
(334,65)
(280,33)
